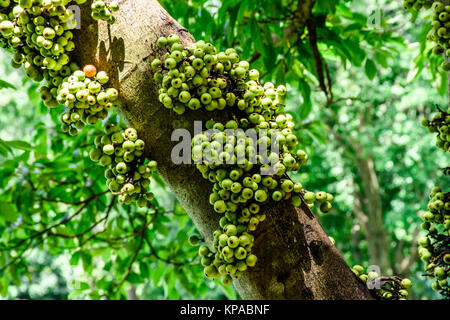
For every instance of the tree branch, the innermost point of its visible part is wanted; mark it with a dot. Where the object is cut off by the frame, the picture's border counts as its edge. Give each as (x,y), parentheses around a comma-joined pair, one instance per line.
(296,260)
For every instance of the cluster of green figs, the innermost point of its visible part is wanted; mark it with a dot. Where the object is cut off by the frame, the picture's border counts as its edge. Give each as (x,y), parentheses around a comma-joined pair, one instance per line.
(386,288)
(435,245)
(39,33)
(87,99)
(440,32)
(128,174)
(417,4)
(440,124)
(247,171)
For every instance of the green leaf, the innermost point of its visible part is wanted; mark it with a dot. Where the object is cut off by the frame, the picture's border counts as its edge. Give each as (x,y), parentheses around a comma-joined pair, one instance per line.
(382,58)
(158,273)
(18,144)
(8,211)
(4,149)
(83,286)
(173,292)
(4,284)
(86,258)
(442,88)
(257,36)
(134,278)
(7,85)
(144,269)
(357,54)
(305,90)
(15,276)
(161,229)
(370,68)
(326,5)
(229,292)
(62,230)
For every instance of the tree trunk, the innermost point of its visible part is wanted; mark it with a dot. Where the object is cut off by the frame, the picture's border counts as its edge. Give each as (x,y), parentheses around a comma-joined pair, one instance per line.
(367,204)
(377,237)
(296,260)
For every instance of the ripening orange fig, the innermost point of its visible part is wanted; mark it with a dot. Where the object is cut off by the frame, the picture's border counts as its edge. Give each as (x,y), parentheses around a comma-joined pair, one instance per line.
(90,70)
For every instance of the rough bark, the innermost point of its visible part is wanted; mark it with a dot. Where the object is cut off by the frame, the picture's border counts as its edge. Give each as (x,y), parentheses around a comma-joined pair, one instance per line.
(296,258)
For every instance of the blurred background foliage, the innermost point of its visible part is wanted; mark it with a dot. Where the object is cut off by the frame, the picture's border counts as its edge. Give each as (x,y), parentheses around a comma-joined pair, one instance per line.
(360,77)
